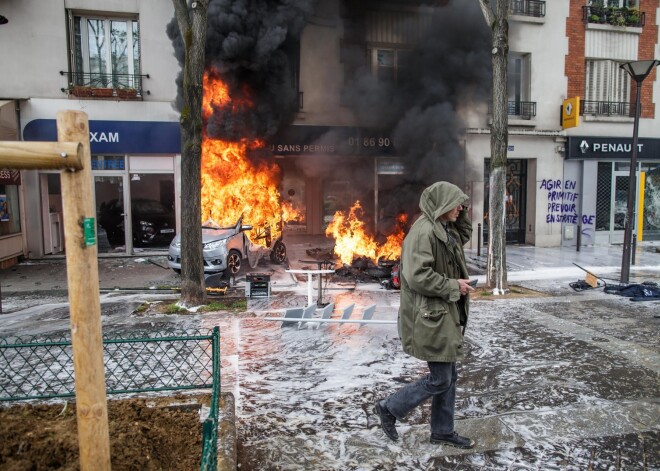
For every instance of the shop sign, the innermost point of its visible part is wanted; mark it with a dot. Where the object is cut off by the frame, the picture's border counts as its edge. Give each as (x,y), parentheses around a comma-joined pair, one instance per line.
(590,147)
(331,140)
(117,137)
(10,177)
(390,166)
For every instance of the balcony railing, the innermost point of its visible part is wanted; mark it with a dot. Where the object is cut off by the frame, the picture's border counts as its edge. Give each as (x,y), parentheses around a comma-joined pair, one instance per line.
(124,86)
(518,109)
(521,109)
(607,108)
(614,16)
(528,8)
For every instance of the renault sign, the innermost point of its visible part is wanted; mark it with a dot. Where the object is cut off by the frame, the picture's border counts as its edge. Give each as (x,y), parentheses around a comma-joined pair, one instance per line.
(570,113)
(601,148)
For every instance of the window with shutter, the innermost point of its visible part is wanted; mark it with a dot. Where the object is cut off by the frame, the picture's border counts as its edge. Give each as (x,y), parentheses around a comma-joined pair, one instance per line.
(607,88)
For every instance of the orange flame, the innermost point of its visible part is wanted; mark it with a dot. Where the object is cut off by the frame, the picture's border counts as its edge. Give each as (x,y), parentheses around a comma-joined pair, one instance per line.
(290,213)
(391,249)
(233,185)
(351,238)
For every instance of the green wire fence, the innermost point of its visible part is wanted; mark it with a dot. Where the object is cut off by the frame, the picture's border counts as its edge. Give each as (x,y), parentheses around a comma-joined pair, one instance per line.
(42,368)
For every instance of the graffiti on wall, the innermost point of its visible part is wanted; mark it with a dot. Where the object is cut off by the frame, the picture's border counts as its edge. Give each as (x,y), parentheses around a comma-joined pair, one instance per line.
(563,205)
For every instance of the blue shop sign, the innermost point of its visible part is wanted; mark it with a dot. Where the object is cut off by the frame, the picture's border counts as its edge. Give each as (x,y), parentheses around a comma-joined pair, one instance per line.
(117,137)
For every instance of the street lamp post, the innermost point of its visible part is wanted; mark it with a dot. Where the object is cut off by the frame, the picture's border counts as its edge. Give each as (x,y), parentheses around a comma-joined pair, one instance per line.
(638,70)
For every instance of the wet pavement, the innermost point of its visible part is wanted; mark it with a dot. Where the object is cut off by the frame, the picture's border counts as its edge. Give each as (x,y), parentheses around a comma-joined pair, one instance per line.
(558,380)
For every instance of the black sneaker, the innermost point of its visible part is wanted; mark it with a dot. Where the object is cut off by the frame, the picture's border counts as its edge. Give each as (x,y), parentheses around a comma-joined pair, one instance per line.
(452,439)
(387,421)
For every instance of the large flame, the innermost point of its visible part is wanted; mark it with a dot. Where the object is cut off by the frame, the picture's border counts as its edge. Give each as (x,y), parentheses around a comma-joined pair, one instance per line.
(352,239)
(233,185)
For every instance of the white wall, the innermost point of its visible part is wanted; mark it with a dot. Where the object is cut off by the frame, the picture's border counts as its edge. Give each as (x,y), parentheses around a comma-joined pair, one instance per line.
(33,46)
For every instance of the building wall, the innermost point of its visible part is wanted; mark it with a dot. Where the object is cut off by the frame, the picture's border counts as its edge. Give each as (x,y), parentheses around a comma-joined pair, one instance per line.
(31,74)
(596,41)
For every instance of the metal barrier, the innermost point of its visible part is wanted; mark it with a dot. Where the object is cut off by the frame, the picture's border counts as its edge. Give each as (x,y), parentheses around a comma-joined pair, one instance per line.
(42,368)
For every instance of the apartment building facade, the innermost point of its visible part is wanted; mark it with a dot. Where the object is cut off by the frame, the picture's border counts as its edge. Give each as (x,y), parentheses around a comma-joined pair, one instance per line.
(113,61)
(351,138)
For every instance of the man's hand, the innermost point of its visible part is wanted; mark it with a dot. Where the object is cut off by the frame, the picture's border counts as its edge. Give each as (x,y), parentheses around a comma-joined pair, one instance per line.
(464,286)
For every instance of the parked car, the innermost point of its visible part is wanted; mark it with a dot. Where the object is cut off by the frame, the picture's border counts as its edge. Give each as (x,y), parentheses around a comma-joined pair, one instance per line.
(153,223)
(225,248)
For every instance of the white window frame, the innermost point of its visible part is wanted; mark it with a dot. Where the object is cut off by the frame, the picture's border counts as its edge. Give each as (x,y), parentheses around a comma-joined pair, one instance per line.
(84,44)
(519,86)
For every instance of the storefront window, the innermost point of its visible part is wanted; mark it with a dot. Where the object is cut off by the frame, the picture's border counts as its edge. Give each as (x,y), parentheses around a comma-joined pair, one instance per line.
(604,196)
(651,211)
(337,196)
(10,220)
(152,209)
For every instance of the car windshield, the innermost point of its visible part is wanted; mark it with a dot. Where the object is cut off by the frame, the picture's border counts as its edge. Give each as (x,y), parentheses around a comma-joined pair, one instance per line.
(211,224)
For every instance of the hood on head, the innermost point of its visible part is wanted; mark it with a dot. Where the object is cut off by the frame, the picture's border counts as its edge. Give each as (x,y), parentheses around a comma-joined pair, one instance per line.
(440,198)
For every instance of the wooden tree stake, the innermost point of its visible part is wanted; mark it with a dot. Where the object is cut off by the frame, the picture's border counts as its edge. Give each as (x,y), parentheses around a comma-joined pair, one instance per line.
(85,306)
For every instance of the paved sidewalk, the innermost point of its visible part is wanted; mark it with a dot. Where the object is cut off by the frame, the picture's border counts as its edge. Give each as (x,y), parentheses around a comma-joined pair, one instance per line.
(558,380)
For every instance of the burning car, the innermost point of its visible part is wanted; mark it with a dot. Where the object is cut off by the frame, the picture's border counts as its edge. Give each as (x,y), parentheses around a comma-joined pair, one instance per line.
(225,248)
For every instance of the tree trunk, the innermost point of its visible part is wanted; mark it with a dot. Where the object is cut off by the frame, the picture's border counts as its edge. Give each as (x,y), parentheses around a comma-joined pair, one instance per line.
(192,25)
(496,267)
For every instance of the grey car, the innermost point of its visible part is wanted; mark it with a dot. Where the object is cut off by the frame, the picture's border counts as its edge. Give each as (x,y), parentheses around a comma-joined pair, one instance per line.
(225,248)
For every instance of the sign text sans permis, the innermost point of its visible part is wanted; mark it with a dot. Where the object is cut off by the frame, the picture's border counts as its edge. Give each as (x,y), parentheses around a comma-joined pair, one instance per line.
(350,144)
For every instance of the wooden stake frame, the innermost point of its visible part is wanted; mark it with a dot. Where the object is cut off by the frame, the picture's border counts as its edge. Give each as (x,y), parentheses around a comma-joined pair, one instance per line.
(72,154)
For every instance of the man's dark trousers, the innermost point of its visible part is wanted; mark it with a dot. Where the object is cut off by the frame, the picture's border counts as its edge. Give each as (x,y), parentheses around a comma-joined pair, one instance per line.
(440,384)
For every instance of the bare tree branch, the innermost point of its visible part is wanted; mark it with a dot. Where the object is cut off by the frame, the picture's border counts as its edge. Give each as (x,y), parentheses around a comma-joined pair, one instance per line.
(487,10)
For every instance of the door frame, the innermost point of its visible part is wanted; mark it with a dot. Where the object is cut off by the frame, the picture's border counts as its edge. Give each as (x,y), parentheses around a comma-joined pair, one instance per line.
(128,225)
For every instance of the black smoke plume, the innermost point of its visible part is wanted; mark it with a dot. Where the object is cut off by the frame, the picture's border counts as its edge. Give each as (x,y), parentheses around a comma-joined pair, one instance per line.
(249,45)
(450,68)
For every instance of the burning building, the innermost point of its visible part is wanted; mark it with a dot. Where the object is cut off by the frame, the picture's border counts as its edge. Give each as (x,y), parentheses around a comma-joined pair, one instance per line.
(332,116)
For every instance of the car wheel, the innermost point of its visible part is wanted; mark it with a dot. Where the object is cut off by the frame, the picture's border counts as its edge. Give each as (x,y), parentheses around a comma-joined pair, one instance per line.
(278,254)
(234,262)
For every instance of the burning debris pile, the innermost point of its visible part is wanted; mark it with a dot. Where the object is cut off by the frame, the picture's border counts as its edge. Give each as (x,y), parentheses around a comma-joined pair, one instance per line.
(360,269)
(352,238)
(361,255)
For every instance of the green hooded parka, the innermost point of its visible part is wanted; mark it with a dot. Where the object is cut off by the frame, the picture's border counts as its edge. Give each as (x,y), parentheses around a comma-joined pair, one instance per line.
(432,309)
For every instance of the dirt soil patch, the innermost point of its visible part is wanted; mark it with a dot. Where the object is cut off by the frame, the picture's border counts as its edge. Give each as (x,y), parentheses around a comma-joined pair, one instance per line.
(145,434)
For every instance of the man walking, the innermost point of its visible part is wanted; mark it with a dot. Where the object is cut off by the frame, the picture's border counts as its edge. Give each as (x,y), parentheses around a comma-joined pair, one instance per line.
(434,309)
